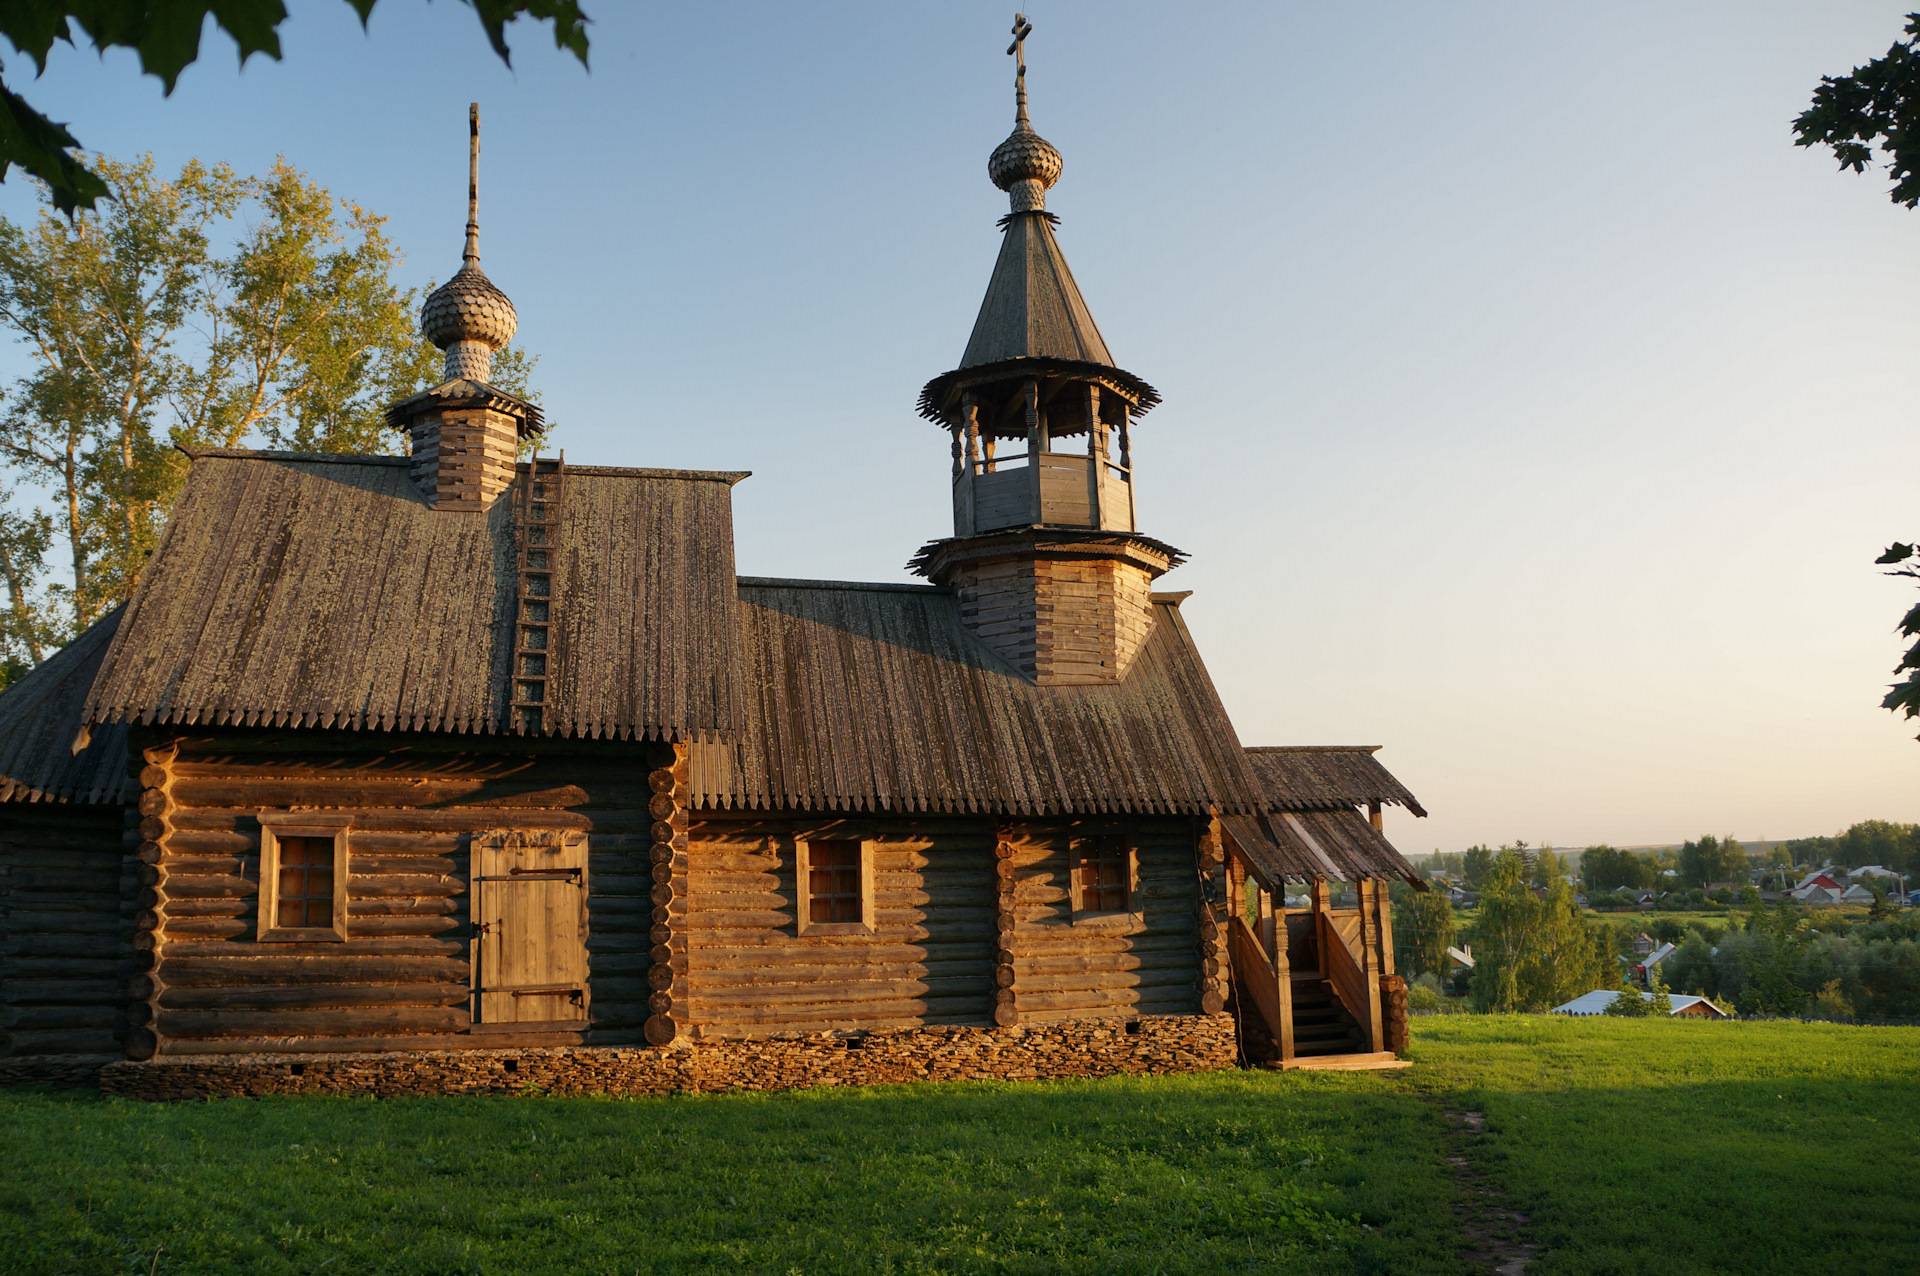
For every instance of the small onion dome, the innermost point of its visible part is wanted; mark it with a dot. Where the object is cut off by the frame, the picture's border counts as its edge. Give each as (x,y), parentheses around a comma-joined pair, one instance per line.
(1024,166)
(468,308)
(1025,155)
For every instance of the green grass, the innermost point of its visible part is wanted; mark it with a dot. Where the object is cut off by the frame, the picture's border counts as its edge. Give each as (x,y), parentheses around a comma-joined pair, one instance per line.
(1633,1146)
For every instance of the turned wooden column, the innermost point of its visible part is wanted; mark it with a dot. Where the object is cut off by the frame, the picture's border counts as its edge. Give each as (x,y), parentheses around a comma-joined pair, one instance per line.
(667,958)
(1370,963)
(1006,1009)
(154,771)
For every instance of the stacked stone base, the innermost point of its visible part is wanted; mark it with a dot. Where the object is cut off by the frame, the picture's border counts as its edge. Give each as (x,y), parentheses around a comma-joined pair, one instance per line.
(61,1071)
(1075,1048)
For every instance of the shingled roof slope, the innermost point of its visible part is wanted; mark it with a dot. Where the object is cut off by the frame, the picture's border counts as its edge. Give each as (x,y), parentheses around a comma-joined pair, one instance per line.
(1033,308)
(297,589)
(874,697)
(1326,777)
(1302,845)
(40,719)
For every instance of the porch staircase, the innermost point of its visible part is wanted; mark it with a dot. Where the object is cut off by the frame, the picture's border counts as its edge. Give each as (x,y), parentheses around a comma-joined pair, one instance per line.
(1325,1035)
(1321,1025)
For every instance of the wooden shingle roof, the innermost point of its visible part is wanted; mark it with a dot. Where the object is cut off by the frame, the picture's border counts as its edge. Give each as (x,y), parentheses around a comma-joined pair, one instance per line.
(1032,322)
(40,723)
(1325,777)
(1033,308)
(874,697)
(297,589)
(1302,845)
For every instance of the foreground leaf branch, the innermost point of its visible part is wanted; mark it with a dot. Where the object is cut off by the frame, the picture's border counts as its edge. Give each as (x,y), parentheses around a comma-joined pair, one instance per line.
(166,36)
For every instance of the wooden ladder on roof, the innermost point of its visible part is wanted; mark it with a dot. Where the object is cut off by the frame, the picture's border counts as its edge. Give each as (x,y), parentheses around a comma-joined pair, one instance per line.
(537,536)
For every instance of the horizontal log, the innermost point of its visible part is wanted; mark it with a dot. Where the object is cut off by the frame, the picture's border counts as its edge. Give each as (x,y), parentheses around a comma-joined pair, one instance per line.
(30,1018)
(90,966)
(719,937)
(314,996)
(368,886)
(418,926)
(104,880)
(45,1041)
(221,906)
(1118,1001)
(371,1044)
(207,927)
(332,789)
(181,886)
(818,1017)
(179,971)
(427,864)
(803,962)
(838,992)
(463,819)
(403,906)
(355,946)
(339,1022)
(603,940)
(63,992)
(1026,981)
(63,912)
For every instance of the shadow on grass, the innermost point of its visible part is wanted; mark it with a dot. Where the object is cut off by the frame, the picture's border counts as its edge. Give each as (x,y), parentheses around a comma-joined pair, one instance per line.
(1226,1172)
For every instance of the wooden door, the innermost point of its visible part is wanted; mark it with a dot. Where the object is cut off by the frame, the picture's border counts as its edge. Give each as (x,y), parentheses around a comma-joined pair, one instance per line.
(530,929)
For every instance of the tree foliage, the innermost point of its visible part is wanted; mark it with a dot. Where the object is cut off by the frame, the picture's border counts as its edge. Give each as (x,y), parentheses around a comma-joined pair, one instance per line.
(1876,106)
(1603,868)
(1904,696)
(1530,953)
(1430,930)
(201,309)
(166,36)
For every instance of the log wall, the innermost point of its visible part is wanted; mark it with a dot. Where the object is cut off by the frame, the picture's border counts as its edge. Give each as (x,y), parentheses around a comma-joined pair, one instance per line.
(1068,966)
(929,960)
(66,887)
(693,928)
(403,978)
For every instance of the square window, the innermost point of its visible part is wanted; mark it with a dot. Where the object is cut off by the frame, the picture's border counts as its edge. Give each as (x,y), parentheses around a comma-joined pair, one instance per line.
(1102,874)
(835,881)
(303,879)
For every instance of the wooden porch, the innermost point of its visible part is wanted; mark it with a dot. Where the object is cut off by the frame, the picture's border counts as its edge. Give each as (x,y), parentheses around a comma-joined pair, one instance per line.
(1314,987)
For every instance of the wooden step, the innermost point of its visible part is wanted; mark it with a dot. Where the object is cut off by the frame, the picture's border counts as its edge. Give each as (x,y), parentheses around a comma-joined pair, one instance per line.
(1342,1063)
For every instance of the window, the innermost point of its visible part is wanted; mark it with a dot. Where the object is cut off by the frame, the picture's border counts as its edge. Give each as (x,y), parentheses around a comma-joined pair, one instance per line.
(835,880)
(303,879)
(1102,874)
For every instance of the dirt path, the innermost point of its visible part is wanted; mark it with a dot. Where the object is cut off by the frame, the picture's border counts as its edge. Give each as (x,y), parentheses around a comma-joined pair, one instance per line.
(1490,1230)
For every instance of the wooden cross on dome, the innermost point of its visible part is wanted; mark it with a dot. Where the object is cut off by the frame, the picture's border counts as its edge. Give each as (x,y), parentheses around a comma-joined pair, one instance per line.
(1018,51)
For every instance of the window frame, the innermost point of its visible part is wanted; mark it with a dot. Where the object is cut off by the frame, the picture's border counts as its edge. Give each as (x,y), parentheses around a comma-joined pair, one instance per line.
(273,827)
(803,895)
(1076,888)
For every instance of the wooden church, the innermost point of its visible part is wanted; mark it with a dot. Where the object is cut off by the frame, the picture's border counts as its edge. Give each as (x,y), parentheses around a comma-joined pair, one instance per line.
(454,770)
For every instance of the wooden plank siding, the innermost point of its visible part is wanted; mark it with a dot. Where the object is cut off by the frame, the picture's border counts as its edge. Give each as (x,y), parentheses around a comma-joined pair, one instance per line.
(66,887)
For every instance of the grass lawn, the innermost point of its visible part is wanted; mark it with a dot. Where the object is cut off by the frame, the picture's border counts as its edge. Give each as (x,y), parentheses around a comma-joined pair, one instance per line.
(1668,1147)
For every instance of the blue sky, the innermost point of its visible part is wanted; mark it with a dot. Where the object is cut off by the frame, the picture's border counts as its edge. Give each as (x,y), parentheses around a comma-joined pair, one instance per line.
(1533,407)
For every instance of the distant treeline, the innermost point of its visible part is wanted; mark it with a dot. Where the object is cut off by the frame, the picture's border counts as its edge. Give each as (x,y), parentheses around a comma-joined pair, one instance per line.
(1707,860)
(1533,948)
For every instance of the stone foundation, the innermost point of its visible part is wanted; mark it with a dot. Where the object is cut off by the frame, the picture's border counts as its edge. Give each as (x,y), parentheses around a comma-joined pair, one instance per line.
(1075,1048)
(61,1071)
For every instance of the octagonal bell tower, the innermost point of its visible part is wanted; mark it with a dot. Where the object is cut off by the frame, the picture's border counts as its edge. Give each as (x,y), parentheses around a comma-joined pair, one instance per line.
(1045,558)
